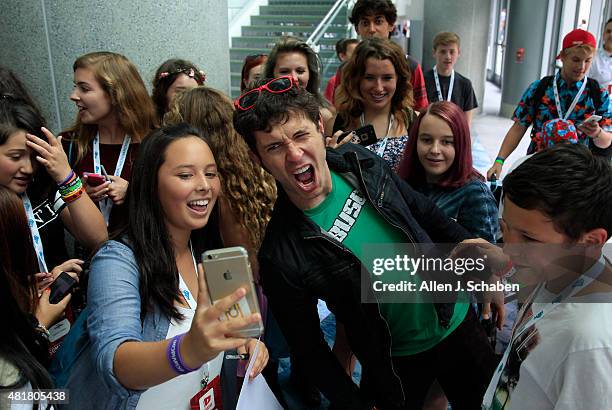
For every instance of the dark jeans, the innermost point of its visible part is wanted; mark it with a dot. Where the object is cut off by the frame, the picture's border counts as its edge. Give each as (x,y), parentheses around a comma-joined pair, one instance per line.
(463,363)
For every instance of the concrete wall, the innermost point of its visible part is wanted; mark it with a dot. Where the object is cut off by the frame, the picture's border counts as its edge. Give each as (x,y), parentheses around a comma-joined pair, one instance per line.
(413,9)
(42,38)
(526,29)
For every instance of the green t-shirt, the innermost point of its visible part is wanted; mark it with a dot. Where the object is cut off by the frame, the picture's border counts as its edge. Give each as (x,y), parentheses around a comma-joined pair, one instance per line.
(347,216)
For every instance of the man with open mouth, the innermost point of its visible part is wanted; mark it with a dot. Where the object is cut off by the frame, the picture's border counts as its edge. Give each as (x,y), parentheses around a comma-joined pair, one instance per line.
(331,203)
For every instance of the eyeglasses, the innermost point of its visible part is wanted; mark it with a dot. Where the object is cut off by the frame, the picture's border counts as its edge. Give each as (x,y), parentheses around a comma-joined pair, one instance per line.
(277,86)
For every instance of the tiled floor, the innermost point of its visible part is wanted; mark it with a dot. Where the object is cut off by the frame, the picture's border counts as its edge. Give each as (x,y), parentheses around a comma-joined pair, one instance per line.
(489,130)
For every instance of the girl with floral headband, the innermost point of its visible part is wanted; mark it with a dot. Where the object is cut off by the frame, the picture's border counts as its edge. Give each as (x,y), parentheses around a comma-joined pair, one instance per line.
(293,57)
(172,76)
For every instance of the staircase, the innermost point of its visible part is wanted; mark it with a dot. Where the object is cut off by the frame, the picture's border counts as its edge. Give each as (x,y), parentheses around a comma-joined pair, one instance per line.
(297,18)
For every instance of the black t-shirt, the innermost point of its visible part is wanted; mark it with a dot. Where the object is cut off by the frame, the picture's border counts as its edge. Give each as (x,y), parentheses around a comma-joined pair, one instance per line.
(463,93)
(47,211)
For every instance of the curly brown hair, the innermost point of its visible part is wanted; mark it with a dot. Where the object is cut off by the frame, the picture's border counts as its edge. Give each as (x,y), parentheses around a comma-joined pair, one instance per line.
(251,192)
(349,101)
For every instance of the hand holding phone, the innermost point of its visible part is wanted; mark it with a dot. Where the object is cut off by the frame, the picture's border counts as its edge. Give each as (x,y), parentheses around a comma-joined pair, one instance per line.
(209,336)
(227,270)
(61,287)
(592,118)
(590,127)
(94,179)
(363,136)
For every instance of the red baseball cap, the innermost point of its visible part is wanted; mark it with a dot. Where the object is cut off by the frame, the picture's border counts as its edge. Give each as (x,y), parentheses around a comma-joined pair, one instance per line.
(578,37)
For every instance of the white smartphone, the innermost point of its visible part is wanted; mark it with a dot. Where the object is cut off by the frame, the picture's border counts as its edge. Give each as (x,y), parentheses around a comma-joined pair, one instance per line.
(592,118)
(226,270)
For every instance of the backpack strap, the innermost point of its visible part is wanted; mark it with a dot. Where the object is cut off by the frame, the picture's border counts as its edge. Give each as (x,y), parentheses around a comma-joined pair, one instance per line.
(594,91)
(540,90)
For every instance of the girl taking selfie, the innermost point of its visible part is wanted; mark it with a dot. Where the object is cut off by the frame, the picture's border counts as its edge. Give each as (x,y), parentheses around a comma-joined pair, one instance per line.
(156,341)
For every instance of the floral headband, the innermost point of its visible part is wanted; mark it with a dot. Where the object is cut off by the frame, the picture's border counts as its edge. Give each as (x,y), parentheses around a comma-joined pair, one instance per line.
(188,71)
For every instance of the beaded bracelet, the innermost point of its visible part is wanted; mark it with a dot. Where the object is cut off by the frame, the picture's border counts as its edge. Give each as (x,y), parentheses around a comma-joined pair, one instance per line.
(173,353)
(500,160)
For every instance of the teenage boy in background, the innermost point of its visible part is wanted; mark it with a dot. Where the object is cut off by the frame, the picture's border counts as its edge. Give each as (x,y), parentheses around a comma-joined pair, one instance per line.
(443,83)
(574,101)
(376,18)
(344,51)
(560,355)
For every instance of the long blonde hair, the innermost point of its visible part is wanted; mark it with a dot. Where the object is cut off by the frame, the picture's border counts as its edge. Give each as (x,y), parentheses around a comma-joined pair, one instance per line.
(119,78)
(251,192)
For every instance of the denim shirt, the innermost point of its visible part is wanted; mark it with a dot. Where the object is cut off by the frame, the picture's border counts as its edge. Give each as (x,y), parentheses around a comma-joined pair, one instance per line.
(113,304)
(471,205)
(114,318)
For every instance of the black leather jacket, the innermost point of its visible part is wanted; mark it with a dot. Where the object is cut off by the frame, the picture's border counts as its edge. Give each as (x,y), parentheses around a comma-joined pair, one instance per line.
(300,264)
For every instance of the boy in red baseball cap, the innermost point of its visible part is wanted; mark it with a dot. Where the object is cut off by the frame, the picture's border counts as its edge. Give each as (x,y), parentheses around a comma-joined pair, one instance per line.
(568,97)
(577,37)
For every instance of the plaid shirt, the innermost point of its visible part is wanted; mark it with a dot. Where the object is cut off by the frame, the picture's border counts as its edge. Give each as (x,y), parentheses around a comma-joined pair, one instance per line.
(472,206)
(530,112)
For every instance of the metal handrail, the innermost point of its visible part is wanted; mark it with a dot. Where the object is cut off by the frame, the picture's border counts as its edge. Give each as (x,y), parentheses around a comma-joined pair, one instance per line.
(313,40)
(319,31)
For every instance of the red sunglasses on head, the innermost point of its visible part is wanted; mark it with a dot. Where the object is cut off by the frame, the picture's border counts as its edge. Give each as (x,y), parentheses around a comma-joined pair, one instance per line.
(277,86)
